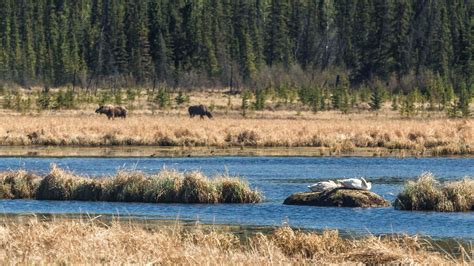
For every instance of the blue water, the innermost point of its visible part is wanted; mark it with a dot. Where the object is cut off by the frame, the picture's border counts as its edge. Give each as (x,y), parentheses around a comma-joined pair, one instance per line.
(276,177)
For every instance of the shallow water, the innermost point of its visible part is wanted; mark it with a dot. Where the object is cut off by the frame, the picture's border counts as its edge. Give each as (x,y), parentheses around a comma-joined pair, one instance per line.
(276,177)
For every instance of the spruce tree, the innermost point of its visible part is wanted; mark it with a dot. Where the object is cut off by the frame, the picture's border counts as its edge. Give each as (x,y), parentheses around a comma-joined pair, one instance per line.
(28,59)
(408,107)
(245,102)
(380,40)
(315,100)
(441,48)
(15,50)
(5,34)
(277,48)
(360,39)
(344,20)
(465,99)
(400,47)
(93,42)
(376,100)
(138,46)
(260,96)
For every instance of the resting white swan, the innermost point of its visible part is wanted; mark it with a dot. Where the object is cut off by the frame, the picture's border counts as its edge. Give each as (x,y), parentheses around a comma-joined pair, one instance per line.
(324,185)
(355,183)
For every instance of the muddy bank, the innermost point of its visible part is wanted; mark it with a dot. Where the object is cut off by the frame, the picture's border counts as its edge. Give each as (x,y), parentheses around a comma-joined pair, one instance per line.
(159,151)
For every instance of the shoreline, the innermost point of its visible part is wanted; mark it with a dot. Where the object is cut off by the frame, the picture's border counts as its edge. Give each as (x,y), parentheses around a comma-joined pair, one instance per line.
(144,220)
(242,230)
(91,241)
(209,151)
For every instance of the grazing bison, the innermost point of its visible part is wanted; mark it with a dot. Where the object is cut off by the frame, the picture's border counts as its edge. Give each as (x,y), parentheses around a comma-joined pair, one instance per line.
(112,111)
(200,110)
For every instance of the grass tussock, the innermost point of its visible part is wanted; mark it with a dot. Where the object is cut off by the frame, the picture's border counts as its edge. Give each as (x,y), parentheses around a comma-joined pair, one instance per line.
(329,130)
(92,242)
(163,187)
(427,194)
(18,184)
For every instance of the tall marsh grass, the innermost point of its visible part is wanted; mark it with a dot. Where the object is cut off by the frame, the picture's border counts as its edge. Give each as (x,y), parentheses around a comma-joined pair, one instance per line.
(95,242)
(18,184)
(427,194)
(326,130)
(163,187)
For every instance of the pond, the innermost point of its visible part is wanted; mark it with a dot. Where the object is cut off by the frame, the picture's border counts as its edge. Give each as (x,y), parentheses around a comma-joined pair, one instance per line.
(277,178)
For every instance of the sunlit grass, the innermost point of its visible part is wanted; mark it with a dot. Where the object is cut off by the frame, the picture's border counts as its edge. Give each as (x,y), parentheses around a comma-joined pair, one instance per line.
(93,242)
(338,133)
(426,193)
(18,184)
(163,187)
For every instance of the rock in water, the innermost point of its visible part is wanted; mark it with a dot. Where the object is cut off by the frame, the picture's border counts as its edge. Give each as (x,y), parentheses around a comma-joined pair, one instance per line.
(341,197)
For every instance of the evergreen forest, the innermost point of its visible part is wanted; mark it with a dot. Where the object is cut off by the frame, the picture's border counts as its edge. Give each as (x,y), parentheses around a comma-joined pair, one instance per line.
(398,45)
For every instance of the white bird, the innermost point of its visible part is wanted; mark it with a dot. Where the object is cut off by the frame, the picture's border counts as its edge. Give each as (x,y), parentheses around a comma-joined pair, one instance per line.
(355,183)
(324,185)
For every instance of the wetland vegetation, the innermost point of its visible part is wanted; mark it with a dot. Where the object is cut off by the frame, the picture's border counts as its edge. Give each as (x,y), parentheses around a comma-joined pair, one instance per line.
(320,77)
(427,194)
(334,132)
(90,241)
(163,187)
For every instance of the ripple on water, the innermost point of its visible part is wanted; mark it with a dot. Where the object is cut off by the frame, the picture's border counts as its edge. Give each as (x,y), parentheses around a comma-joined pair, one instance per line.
(276,177)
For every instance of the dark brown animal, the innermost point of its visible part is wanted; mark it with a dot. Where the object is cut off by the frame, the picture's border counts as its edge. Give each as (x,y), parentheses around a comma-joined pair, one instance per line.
(200,110)
(112,111)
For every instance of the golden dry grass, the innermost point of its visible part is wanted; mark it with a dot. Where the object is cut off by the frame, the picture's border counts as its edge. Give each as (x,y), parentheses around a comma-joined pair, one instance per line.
(340,133)
(92,242)
(427,194)
(163,187)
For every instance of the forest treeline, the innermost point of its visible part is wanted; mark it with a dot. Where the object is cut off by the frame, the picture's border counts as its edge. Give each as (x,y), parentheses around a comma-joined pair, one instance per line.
(254,43)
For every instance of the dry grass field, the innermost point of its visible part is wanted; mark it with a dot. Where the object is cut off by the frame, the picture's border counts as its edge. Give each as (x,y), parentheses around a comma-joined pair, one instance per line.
(94,242)
(283,125)
(339,133)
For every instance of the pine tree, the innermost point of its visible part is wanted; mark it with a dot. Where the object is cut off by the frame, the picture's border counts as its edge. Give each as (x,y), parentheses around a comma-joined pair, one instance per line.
(207,60)
(40,46)
(260,96)
(5,33)
(441,48)
(277,49)
(249,58)
(394,103)
(15,50)
(360,39)
(138,46)
(315,100)
(52,55)
(163,98)
(408,107)
(345,99)
(110,42)
(400,47)
(376,100)
(448,96)
(44,101)
(119,46)
(158,46)
(344,20)
(181,98)
(245,103)
(28,59)
(465,99)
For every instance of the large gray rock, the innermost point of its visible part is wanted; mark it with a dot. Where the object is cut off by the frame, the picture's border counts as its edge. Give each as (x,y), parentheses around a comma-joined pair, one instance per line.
(340,197)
